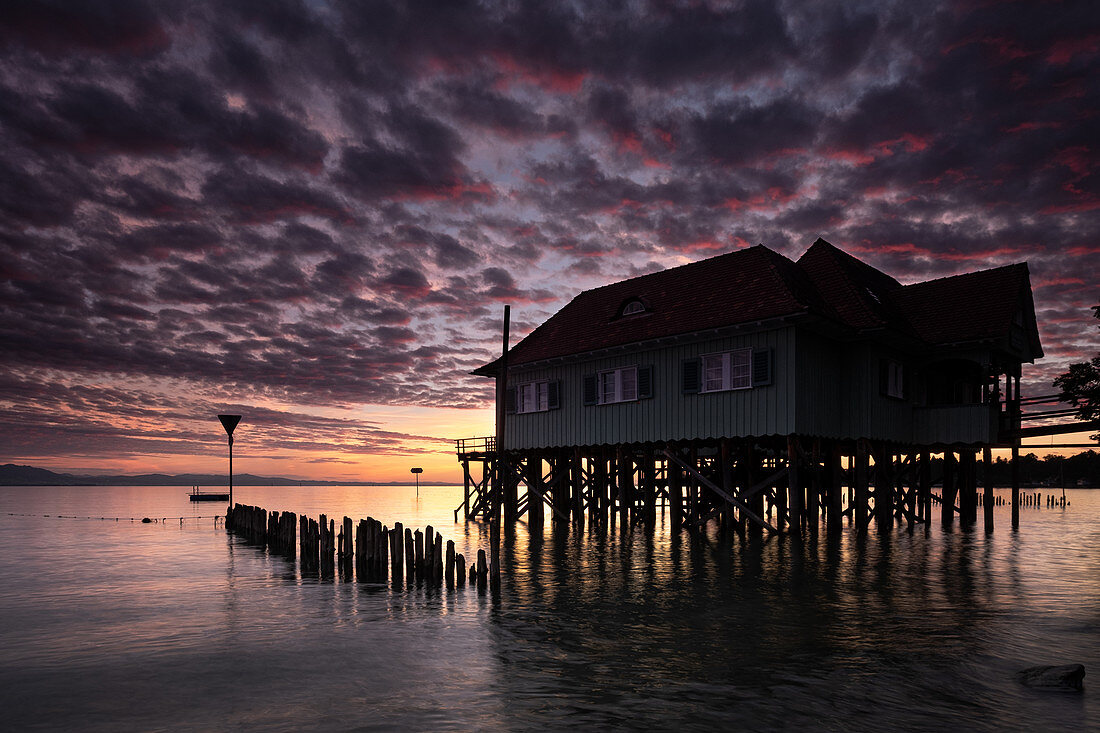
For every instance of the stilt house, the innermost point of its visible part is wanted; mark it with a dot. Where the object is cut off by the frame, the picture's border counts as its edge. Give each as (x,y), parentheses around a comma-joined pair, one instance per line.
(753,351)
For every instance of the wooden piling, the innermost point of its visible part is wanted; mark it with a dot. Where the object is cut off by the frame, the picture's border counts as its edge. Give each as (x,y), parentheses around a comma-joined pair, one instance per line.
(429,548)
(834,511)
(1015,471)
(419,544)
(482,570)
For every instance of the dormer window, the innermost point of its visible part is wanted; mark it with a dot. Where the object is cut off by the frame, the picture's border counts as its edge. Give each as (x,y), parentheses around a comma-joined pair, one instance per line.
(632,307)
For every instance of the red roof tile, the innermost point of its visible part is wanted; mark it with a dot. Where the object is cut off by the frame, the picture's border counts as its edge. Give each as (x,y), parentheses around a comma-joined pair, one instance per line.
(858,292)
(757,284)
(739,287)
(970,307)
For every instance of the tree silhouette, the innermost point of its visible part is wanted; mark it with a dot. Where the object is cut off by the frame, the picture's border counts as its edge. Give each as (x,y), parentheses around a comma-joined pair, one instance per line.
(1080,386)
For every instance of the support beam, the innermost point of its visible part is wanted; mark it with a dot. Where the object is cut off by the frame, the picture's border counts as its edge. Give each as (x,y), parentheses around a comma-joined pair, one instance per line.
(862,472)
(884,487)
(834,499)
(719,491)
(950,489)
(795,491)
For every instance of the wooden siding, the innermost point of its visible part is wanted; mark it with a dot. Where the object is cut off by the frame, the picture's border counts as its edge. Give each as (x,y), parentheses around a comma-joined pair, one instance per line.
(967,424)
(669,414)
(820,387)
(838,393)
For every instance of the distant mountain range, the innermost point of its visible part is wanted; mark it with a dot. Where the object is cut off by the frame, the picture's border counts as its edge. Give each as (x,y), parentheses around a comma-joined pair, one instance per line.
(12,475)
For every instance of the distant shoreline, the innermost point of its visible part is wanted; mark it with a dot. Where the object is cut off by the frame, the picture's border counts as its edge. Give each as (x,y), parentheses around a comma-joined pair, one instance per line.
(12,475)
(423,484)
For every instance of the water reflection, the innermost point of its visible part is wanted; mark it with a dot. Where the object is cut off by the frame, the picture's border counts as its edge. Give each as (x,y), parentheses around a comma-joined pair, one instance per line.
(891,627)
(593,627)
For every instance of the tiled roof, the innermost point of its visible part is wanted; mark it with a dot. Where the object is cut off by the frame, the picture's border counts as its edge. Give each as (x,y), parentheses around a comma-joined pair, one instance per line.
(859,293)
(969,307)
(757,284)
(739,287)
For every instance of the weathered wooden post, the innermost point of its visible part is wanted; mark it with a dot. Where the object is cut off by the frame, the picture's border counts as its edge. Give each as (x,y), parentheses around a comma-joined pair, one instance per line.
(396,547)
(794,487)
(649,484)
(535,513)
(410,556)
(577,485)
(1012,383)
(625,472)
(419,542)
(924,485)
(947,495)
(968,497)
(863,500)
(437,560)
(884,487)
(813,490)
(481,569)
(450,563)
(834,510)
(429,548)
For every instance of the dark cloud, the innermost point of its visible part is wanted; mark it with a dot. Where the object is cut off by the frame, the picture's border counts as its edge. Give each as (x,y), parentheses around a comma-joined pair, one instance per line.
(327,205)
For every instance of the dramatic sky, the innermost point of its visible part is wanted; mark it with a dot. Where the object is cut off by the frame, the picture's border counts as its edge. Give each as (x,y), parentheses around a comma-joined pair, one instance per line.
(312,213)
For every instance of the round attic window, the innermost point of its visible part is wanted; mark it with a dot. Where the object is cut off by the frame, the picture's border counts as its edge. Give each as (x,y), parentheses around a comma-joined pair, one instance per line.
(633,307)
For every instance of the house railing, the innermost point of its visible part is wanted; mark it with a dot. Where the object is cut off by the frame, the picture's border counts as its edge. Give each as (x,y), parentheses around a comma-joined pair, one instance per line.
(466,446)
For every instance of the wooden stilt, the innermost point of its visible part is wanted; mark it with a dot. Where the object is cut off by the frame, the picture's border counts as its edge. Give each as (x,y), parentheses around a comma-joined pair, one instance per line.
(863,494)
(795,491)
(884,487)
(948,495)
(987,478)
(924,480)
(834,510)
(1015,471)
(675,493)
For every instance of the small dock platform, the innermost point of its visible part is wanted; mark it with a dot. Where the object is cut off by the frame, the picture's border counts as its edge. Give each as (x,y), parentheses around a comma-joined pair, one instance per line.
(197,495)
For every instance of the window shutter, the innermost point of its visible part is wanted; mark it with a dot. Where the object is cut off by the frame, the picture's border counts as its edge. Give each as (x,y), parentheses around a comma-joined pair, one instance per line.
(883,377)
(645,382)
(689,382)
(510,401)
(589,389)
(761,367)
(553,395)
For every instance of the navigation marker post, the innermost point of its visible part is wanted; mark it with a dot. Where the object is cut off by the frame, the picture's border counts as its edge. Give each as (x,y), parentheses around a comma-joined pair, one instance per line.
(417,472)
(229,422)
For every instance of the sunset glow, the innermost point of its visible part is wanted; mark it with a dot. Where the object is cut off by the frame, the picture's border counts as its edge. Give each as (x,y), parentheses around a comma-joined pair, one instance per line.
(313,214)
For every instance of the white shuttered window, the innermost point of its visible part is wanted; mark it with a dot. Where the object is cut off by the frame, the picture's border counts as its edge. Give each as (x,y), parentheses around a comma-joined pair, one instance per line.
(618,385)
(728,370)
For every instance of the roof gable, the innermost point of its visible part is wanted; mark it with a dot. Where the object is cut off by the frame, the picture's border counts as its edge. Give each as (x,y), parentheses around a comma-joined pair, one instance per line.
(747,285)
(856,291)
(974,306)
(757,284)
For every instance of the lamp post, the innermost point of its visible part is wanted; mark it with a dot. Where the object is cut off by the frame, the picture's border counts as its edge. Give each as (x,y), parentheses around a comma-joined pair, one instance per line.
(416,472)
(229,422)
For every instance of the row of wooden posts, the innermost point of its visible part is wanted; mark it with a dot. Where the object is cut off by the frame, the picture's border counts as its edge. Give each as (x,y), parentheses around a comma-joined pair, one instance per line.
(1033,501)
(755,484)
(368,549)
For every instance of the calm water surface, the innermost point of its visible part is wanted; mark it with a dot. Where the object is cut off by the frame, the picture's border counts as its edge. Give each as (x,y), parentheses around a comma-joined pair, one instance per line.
(127,626)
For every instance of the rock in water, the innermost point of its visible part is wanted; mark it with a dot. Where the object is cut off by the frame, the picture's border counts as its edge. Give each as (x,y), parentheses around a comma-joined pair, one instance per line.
(1065,676)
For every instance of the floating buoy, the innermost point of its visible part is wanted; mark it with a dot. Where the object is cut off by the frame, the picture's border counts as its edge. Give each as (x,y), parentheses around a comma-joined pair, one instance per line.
(147,520)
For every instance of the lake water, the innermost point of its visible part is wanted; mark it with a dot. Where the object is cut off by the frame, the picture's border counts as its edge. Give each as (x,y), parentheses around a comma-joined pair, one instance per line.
(126,626)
